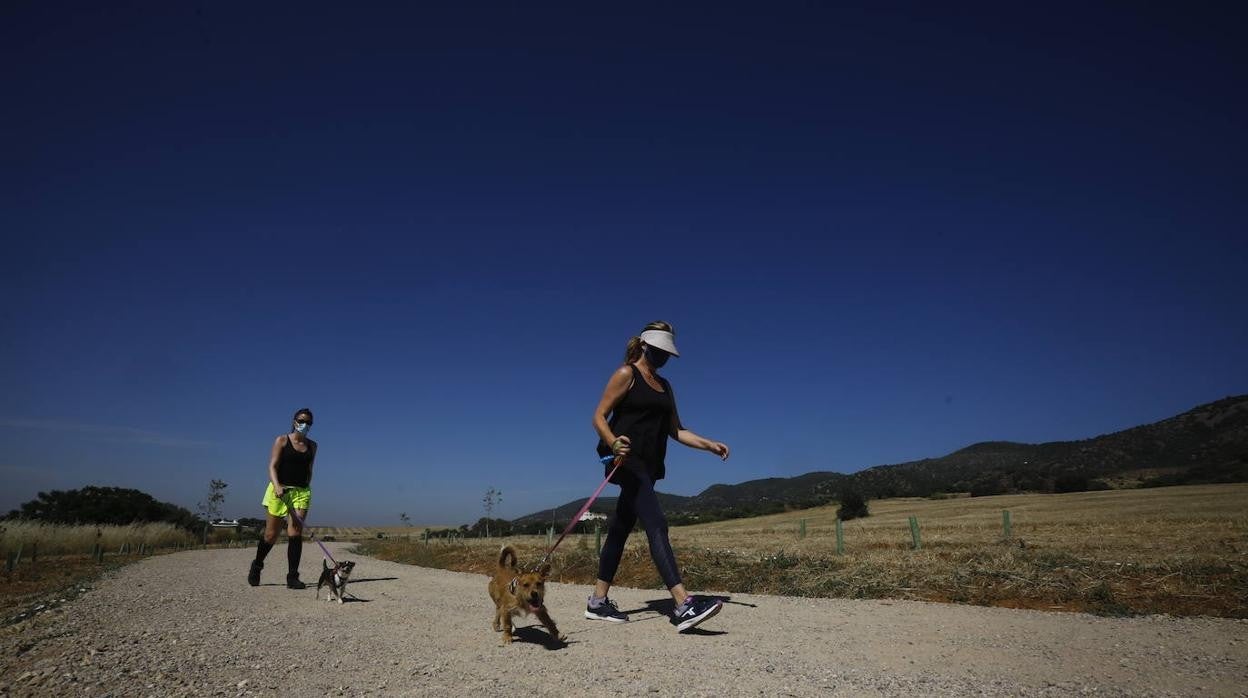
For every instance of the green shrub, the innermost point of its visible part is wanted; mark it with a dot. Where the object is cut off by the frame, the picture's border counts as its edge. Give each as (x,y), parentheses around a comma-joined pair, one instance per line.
(853,506)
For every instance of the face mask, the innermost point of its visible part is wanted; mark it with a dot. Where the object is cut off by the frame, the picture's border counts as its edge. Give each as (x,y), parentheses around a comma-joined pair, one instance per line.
(657,357)
(302,428)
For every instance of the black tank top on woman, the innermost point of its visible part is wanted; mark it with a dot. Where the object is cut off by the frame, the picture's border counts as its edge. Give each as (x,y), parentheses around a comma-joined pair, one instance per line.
(644,415)
(294,469)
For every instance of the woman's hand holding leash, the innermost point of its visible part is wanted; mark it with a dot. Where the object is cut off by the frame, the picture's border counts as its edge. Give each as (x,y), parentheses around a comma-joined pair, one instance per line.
(620,446)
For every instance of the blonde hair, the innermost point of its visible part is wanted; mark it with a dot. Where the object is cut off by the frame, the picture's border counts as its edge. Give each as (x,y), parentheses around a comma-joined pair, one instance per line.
(634,348)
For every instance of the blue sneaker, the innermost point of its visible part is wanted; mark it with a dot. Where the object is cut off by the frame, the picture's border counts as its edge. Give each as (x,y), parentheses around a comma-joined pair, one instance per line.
(606,610)
(694,610)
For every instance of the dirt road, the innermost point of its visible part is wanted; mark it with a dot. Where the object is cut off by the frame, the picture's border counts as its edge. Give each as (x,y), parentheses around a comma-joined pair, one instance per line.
(187,624)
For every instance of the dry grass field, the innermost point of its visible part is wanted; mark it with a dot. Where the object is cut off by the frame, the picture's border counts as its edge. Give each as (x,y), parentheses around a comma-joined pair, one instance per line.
(52,560)
(56,539)
(1177,550)
(363,533)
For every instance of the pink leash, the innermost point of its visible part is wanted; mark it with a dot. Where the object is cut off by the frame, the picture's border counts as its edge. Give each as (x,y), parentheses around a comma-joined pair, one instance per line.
(295,513)
(577,517)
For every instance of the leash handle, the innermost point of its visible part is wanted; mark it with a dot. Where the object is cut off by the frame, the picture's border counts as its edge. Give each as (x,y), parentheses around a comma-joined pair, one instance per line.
(576,518)
(295,513)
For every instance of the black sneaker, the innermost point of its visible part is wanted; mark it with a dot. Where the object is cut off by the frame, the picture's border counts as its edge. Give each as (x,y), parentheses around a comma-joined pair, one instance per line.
(606,610)
(253,574)
(292,581)
(696,610)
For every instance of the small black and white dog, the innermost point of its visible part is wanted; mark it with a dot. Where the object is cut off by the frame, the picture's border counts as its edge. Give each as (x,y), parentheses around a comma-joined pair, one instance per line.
(336,577)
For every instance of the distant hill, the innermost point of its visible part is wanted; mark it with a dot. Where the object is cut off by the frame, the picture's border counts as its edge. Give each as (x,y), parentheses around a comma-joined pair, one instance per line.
(1204,445)
(603,505)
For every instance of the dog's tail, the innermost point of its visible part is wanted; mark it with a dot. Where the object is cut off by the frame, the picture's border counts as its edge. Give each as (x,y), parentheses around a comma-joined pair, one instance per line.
(507,552)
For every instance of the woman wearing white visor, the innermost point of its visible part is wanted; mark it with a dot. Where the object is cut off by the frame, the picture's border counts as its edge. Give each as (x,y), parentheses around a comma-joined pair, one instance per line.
(634,419)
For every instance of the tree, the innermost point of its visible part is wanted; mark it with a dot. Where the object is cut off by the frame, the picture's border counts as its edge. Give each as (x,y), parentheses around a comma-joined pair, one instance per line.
(102,505)
(492,499)
(853,506)
(502,527)
(407,520)
(211,508)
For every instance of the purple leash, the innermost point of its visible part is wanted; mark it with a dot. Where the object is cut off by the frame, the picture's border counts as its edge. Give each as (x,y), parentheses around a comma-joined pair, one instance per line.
(295,513)
(577,517)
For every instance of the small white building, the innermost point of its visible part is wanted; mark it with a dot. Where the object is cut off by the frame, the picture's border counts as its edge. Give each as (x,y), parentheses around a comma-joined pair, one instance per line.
(593,516)
(224,523)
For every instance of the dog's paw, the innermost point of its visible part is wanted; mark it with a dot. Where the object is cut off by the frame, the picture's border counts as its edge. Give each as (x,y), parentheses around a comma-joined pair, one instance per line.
(507,639)
(562,637)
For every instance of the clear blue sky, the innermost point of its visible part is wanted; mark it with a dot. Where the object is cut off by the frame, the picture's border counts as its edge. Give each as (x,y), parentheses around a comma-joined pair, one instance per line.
(881,234)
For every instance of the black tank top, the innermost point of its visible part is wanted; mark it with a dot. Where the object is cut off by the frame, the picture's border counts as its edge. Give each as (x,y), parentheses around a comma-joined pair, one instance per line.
(294,469)
(644,415)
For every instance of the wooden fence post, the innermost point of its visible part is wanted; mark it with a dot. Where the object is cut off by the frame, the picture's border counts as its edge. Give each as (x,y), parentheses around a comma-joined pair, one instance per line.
(914,532)
(18,560)
(840,538)
(10,561)
(801,529)
(597,538)
(1005,523)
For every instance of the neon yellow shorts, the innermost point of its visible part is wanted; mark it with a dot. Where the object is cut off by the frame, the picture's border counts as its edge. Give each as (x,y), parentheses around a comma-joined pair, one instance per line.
(299,497)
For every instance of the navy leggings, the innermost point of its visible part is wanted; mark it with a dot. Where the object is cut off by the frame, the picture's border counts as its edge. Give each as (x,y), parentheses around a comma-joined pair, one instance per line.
(638,501)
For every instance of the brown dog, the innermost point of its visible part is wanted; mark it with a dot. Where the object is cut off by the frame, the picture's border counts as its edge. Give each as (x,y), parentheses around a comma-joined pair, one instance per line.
(515,592)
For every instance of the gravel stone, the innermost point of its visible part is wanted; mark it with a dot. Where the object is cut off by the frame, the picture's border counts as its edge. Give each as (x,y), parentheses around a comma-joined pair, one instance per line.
(187,624)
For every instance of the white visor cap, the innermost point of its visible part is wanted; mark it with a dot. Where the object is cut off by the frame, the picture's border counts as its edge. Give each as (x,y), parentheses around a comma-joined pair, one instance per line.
(660,340)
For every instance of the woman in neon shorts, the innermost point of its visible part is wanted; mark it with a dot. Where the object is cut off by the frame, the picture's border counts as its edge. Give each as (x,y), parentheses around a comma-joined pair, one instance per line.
(290,479)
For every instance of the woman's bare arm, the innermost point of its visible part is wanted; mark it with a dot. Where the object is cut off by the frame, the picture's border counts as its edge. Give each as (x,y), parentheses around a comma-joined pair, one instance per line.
(617,388)
(274,456)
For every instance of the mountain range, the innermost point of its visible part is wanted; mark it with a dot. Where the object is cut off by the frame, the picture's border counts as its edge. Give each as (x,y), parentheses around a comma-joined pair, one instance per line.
(1206,444)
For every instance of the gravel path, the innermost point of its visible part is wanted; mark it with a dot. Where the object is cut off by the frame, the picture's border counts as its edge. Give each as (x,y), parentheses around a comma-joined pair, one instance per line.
(187,624)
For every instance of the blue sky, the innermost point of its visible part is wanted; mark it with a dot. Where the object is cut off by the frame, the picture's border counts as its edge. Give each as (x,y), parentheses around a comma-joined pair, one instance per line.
(881,234)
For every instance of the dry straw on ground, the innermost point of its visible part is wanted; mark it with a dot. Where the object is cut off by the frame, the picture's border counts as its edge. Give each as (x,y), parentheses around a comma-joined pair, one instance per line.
(58,539)
(1179,550)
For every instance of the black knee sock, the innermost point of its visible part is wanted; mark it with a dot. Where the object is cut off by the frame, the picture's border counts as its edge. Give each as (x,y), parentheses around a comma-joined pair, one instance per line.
(294,549)
(262,550)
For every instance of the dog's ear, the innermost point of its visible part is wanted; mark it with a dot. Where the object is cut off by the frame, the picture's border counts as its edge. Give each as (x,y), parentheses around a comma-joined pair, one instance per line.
(545,570)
